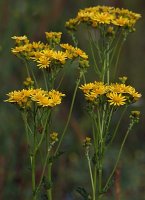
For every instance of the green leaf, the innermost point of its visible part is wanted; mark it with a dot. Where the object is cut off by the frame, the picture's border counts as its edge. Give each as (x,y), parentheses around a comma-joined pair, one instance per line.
(55,157)
(84,193)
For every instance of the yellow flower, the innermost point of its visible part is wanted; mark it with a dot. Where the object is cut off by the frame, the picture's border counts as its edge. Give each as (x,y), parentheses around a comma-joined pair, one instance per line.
(54,137)
(38,45)
(74,51)
(67,47)
(136,96)
(102,18)
(79,52)
(87,87)
(20,39)
(53,37)
(93,90)
(60,56)
(18,49)
(43,62)
(28,82)
(71,24)
(20,97)
(121,21)
(120,88)
(55,97)
(116,99)
(92,96)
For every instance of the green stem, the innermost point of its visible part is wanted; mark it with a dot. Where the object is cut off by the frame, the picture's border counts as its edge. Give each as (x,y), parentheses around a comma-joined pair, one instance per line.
(43,171)
(27,68)
(32,155)
(45,80)
(93,55)
(43,133)
(24,116)
(119,154)
(70,113)
(33,177)
(49,191)
(34,78)
(117,59)
(91,176)
(116,129)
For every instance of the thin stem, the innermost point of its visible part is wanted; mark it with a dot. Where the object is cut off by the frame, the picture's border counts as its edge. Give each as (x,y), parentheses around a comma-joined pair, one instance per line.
(43,171)
(119,154)
(33,177)
(27,68)
(116,129)
(91,176)
(24,116)
(45,80)
(69,115)
(117,60)
(49,191)
(93,55)
(43,133)
(34,78)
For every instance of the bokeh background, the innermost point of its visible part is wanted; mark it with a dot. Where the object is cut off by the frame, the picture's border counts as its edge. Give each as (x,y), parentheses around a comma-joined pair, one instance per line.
(33,18)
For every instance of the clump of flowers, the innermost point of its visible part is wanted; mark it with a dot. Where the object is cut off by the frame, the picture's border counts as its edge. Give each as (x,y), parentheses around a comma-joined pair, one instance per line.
(24,98)
(115,94)
(104,15)
(51,55)
(107,29)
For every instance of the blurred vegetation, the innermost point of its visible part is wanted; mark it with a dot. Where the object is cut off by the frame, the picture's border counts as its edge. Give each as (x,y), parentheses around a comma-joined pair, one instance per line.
(33,18)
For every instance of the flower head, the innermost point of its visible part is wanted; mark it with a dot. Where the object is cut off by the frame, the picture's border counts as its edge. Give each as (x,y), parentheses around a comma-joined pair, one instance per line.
(116,99)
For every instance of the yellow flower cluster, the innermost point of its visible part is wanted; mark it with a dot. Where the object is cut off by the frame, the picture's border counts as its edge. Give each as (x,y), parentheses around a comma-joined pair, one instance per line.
(53,37)
(23,47)
(98,15)
(73,52)
(116,94)
(24,98)
(44,55)
(48,57)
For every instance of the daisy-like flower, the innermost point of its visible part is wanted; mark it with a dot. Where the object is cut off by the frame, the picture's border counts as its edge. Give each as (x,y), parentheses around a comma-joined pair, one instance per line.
(87,87)
(60,56)
(121,21)
(116,99)
(136,96)
(79,52)
(43,62)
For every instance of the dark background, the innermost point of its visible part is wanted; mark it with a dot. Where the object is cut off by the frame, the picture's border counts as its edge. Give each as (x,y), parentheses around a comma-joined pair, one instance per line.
(33,18)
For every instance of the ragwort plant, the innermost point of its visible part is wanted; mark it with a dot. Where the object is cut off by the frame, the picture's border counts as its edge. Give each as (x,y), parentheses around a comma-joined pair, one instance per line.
(37,104)
(107,29)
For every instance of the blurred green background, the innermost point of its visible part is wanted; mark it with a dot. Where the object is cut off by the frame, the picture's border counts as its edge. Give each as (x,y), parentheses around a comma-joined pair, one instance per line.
(33,18)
